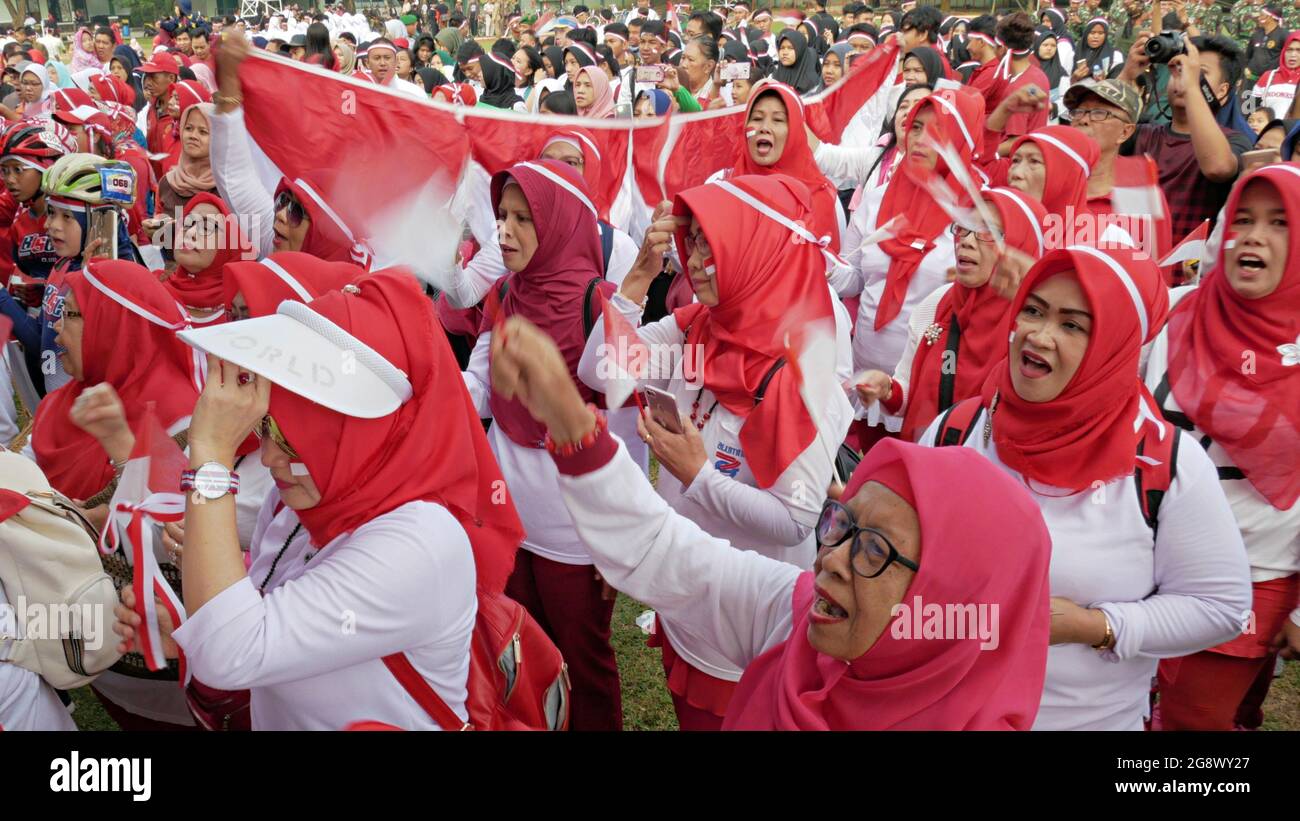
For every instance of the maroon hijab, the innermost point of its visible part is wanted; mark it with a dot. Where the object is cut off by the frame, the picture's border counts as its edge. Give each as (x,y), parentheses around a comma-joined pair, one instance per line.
(551,289)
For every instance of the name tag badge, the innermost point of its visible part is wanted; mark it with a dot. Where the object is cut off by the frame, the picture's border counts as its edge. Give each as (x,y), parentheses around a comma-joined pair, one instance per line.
(117,184)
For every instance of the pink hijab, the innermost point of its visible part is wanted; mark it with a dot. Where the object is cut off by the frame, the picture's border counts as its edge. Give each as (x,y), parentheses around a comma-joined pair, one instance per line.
(603,106)
(986,546)
(551,289)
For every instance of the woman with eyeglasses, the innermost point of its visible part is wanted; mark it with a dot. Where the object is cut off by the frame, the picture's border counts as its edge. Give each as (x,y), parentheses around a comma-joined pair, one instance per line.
(1248,422)
(955,334)
(834,647)
(745,456)
(1134,577)
(910,251)
(207,237)
(117,336)
(366,555)
(32,98)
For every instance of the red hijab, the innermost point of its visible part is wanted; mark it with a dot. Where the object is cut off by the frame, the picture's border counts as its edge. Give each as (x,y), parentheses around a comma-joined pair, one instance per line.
(1068,158)
(129,341)
(1282,74)
(980,315)
(205,288)
(286,275)
(958,119)
(767,280)
(1255,416)
(592,164)
(550,290)
(113,89)
(1090,432)
(432,448)
(796,160)
(987,545)
(328,236)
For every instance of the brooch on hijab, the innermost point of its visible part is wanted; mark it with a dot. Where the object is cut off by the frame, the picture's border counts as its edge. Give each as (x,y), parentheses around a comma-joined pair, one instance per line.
(988,418)
(933,333)
(351,289)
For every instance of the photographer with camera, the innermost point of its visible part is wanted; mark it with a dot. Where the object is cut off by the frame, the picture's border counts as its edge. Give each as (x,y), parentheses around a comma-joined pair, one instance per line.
(1198,159)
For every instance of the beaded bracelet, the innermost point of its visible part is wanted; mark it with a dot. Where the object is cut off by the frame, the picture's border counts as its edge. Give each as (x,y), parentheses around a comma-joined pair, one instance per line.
(588,439)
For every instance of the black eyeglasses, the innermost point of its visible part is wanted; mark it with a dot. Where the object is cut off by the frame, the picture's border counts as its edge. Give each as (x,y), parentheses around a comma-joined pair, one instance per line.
(1096,115)
(871,552)
(286,200)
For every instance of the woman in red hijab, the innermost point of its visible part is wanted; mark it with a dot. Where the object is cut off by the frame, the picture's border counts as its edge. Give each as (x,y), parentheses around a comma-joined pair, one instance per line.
(389,515)
(1066,416)
(1248,420)
(304,221)
(776,142)
(207,238)
(911,254)
(956,335)
(834,648)
(741,463)
(550,244)
(1052,165)
(118,335)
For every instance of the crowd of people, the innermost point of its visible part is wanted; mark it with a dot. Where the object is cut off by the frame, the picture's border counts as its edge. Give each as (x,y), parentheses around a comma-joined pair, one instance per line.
(981,412)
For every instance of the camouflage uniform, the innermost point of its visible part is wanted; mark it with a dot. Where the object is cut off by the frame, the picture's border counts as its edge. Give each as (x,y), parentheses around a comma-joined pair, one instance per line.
(1291,17)
(1245,19)
(1209,20)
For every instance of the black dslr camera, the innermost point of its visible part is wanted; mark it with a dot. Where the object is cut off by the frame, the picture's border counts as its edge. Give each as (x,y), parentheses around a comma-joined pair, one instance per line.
(1166,45)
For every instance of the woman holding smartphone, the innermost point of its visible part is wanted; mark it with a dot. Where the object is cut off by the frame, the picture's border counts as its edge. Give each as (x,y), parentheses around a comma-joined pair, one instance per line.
(743,455)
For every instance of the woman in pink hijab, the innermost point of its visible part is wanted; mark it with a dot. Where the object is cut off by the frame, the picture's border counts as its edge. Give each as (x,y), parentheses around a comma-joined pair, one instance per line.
(592,93)
(925,610)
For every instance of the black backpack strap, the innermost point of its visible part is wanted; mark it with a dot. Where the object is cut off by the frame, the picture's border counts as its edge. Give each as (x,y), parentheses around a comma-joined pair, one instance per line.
(948,370)
(587,321)
(767,378)
(606,245)
(957,422)
(1153,484)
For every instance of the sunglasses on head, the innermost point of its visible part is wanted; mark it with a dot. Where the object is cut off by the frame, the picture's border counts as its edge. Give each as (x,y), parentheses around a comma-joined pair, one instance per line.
(286,201)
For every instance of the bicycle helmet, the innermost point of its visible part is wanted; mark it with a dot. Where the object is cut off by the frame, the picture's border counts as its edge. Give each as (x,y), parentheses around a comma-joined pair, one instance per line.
(75,179)
(36,144)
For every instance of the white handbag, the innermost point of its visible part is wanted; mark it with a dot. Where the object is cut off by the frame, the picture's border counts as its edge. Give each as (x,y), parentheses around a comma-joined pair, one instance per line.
(59,618)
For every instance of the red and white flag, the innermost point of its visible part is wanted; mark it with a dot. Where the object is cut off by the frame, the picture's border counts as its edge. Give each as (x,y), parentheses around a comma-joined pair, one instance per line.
(1143,196)
(147,494)
(625,358)
(1192,246)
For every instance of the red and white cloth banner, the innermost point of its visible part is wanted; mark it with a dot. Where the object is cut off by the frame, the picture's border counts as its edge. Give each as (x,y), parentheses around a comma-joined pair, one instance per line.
(1192,246)
(147,495)
(385,147)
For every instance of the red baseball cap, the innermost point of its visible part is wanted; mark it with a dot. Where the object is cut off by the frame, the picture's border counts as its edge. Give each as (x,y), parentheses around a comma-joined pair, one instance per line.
(161,63)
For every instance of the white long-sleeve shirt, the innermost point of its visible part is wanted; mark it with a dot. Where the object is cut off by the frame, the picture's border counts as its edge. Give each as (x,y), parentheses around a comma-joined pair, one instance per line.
(734,603)
(243,182)
(723,497)
(1187,591)
(866,275)
(1272,536)
(310,648)
(530,473)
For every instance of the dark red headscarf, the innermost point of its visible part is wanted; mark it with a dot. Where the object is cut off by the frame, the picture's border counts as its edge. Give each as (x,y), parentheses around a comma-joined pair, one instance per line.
(1089,433)
(958,121)
(432,448)
(769,281)
(1253,413)
(981,316)
(967,541)
(550,290)
(129,341)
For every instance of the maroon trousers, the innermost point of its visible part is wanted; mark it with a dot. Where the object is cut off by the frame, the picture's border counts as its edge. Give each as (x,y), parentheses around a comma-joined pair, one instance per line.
(565,599)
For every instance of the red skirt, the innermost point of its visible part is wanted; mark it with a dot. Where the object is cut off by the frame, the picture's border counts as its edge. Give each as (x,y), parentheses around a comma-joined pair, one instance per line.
(698,689)
(1272,603)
